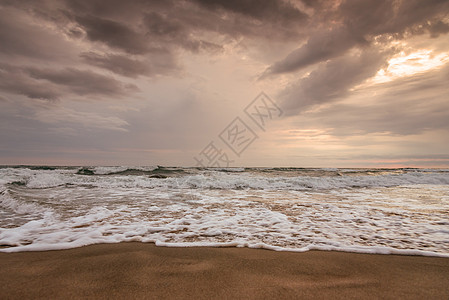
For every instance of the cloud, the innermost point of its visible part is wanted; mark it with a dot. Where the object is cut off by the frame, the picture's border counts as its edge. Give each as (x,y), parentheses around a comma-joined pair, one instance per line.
(83,82)
(159,64)
(375,17)
(119,64)
(356,23)
(52,84)
(169,31)
(331,81)
(269,10)
(160,25)
(66,116)
(354,44)
(406,106)
(437,28)
(15,80)
(114,34)
(321,46)
(69,50)
(143,28)
(21,37)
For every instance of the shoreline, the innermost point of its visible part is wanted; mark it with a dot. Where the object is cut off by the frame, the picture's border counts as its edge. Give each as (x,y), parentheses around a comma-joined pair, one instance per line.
(354,249)
(144,270)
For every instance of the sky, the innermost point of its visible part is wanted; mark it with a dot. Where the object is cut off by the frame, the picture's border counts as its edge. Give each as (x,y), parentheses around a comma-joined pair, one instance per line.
(221,83)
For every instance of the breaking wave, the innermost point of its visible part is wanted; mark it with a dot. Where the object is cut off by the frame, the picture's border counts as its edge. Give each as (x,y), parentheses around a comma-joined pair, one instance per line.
(399,211)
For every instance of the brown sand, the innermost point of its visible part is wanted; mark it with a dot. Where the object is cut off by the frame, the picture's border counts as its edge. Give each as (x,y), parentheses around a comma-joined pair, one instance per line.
(137,270)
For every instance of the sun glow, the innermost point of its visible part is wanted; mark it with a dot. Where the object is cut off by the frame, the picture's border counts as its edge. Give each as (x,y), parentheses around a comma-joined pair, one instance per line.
(408,64)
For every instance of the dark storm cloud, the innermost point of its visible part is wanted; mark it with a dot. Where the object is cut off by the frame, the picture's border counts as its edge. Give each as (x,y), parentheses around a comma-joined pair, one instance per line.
(114,34)
(160,64)
(143,38)
(116,8)
(119,64)
(163,30)
(19,37)
(332,80)
(437,28)
(130,39)
(82,82)
(356,23)
(160,25)
(352,26)
(405,106)
(15,80)
(52,84)
(320,46)
(374,17)
(268,10)
(165,27)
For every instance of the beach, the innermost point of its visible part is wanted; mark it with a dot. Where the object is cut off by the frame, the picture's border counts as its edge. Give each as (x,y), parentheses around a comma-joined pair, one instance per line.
(142,270)
(245,233)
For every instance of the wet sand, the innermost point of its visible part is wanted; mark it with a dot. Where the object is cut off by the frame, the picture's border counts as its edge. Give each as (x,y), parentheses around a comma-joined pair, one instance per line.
(144,271)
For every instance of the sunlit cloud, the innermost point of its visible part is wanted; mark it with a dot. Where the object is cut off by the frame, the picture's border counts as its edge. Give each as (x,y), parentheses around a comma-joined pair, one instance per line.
(405,64)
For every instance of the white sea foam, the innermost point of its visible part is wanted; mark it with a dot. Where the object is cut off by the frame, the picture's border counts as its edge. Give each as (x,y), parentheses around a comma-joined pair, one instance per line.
(389,213)
(9,203)
(218,180)
(112,170)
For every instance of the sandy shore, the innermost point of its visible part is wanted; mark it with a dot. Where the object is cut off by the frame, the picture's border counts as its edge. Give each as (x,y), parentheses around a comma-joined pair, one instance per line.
(137,270)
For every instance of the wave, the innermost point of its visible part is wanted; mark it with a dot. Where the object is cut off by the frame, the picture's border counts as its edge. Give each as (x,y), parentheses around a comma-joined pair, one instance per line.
(253,225)
(9,202)
(305,182)
(138,171)
(286,210)
(228,170)
(233,179)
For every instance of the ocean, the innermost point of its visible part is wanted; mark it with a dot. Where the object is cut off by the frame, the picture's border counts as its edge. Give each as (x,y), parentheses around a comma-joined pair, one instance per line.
(386,211)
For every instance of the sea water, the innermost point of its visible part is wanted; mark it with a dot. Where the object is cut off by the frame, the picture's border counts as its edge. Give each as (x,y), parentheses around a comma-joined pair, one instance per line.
(388,211)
